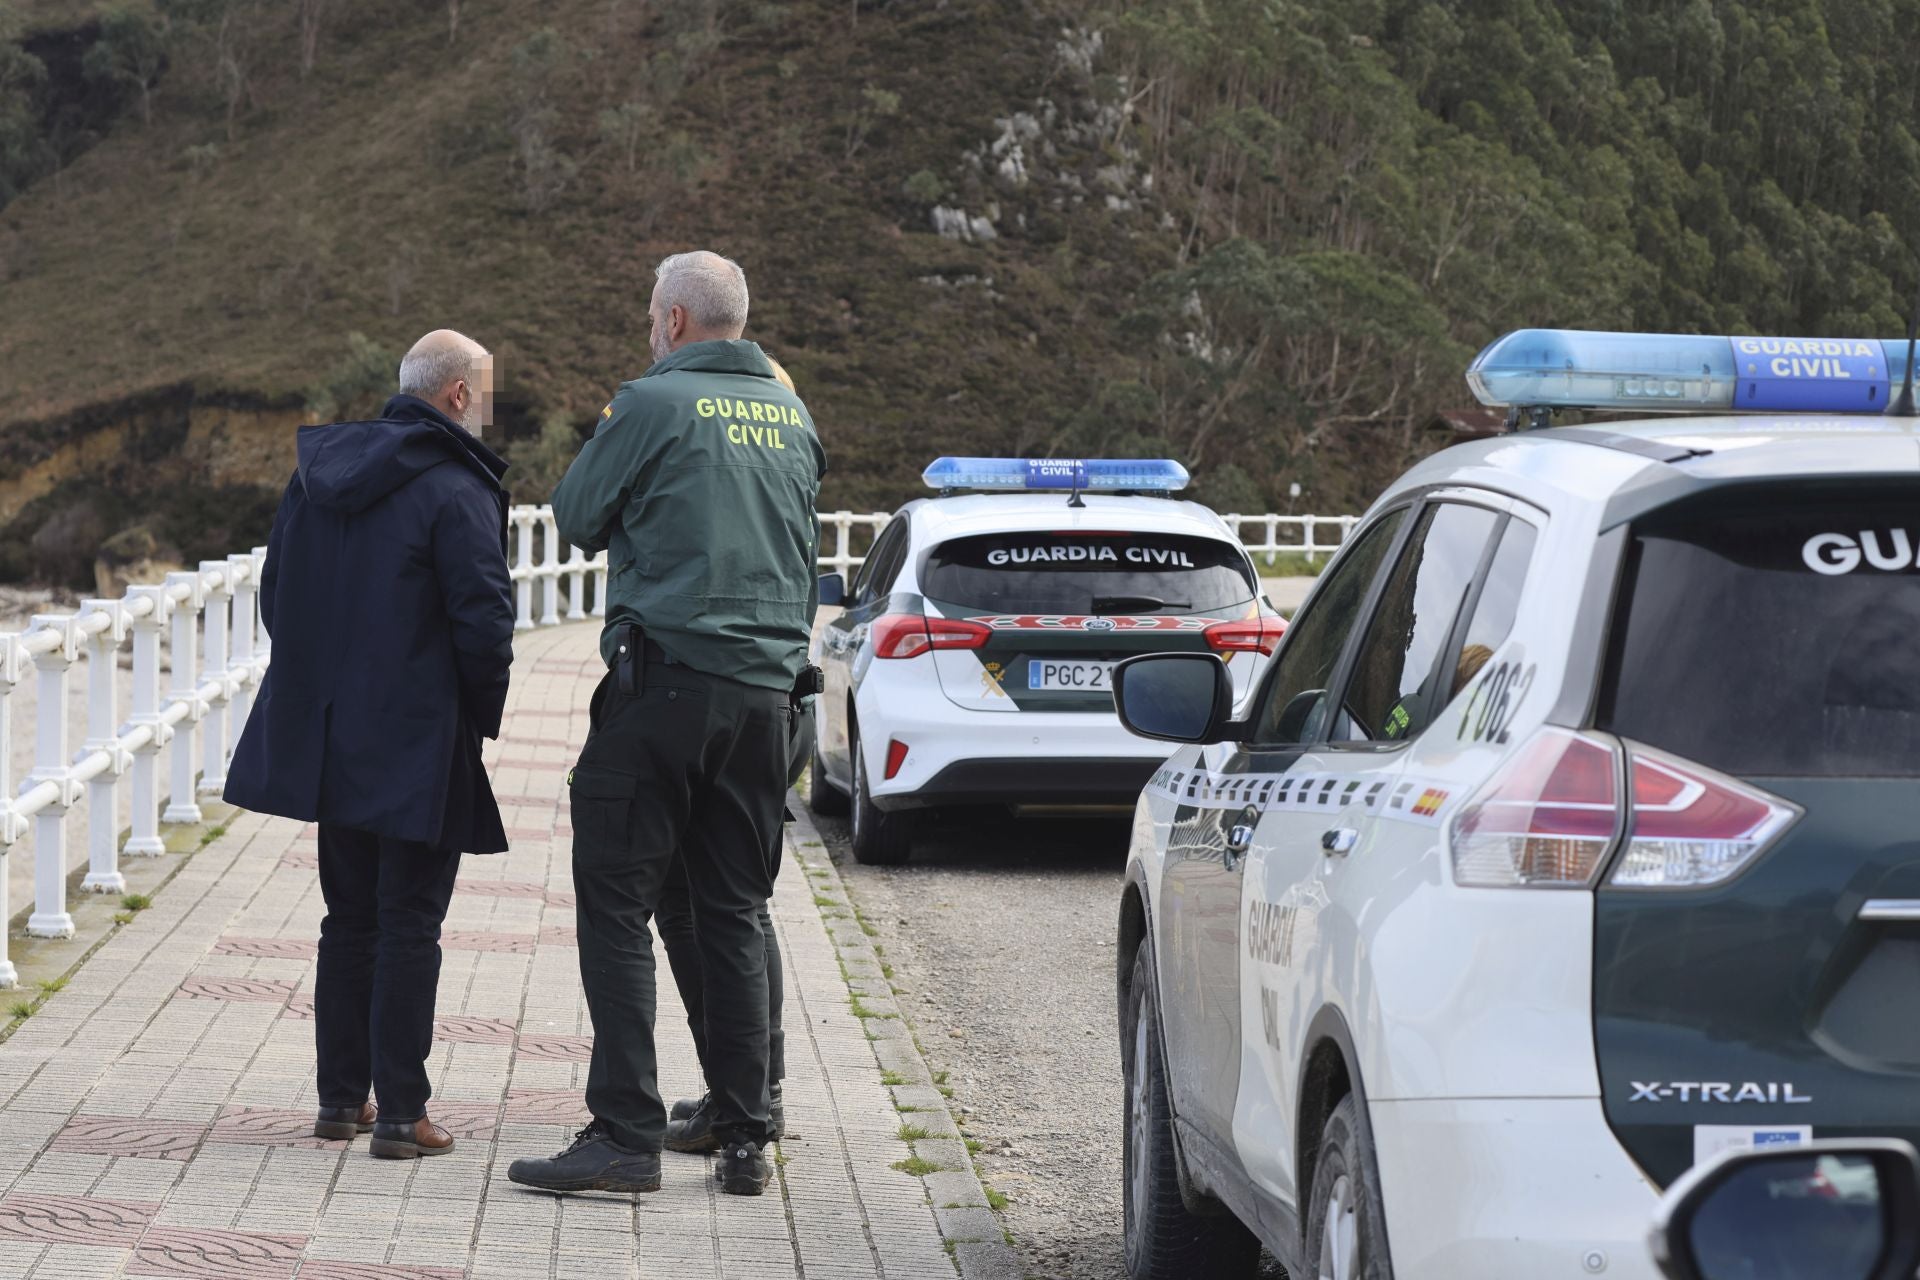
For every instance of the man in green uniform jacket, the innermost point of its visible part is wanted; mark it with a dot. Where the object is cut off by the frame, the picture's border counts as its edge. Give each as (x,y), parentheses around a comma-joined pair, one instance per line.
(701,483)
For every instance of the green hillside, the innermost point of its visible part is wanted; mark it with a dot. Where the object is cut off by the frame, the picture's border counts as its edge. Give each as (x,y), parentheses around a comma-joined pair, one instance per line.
(1260,236)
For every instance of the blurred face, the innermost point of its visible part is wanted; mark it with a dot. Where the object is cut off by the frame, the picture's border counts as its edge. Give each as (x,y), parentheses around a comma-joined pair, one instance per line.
(472,397)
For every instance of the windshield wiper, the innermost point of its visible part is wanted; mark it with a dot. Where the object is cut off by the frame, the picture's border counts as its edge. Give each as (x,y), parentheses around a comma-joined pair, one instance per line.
(1127,604)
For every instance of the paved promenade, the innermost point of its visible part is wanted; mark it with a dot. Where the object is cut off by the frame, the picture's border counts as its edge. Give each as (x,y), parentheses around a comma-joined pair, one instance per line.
(155,1113)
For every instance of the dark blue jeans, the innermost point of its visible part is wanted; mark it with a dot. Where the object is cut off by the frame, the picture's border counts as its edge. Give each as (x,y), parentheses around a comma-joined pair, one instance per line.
(379,968)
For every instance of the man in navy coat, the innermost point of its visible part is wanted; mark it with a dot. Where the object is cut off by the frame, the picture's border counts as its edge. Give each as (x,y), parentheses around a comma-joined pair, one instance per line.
(387,596)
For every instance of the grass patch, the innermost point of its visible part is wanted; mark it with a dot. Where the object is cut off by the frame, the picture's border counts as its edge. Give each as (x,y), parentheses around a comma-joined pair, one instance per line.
(810,844)
(914,1133)
(893,1080)
(136,901)
(21,1008)
(886,970)
(940,1077)
(995,1200)
(866,928)
(123,917)
(952,1247)
(860,1010)
(917,1167)
(52,985)
(974,1146)
(211,834)
(946,1090)
(822,900)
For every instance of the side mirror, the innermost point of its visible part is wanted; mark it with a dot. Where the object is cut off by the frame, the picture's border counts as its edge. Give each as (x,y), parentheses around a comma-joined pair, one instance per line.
(833,588)
(1177,697)
(1838,1210)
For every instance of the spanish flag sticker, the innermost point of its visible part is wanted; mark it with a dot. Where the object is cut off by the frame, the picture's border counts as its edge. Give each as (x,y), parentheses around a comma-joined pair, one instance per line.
(608,411)
(1429,802)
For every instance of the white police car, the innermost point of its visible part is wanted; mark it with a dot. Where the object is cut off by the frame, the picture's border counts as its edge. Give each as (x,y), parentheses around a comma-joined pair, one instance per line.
(1571,837)
(970,663)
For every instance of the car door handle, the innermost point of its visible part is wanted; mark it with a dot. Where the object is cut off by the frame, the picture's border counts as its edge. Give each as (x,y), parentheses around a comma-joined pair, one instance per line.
(1339,842)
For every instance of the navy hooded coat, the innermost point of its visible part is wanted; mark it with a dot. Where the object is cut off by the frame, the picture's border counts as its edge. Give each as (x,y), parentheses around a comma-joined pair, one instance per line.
(387,596)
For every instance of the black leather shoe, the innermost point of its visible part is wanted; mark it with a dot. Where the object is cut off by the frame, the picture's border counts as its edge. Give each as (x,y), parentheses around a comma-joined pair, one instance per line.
(344,1122)
(592,1162)
(685,1107)
(694,1135)
(743,1170)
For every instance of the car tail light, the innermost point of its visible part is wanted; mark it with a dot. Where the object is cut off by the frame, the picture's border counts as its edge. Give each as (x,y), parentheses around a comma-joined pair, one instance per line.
(896,756)
(1547,818)
(1246,635)
(1691,826)
(907,635)
(1550,815)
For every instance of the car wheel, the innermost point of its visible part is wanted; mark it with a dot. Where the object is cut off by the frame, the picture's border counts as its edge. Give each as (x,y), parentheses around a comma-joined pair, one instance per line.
(1346,1228)
(823,797)
(880,839)
(1164,1239)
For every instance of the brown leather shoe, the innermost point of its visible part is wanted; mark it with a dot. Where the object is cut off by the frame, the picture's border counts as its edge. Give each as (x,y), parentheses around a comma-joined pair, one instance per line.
(345,1122)
(406,1140)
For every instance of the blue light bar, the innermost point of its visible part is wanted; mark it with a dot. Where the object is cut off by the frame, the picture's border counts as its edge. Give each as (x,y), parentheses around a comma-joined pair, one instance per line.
(1567,368)
(1092,474)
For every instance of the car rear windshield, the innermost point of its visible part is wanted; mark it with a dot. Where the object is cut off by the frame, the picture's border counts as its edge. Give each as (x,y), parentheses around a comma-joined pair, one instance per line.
(1773,633)
(1090,573)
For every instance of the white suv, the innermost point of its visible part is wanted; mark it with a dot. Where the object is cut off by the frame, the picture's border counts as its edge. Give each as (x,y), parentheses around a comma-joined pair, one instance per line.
(1568,841)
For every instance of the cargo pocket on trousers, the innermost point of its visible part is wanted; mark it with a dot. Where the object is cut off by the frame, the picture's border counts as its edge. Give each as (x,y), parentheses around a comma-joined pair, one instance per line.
(601,801)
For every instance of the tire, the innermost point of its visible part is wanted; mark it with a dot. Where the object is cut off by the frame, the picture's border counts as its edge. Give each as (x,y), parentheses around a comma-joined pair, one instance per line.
(1164,1239)
(1347,1225)
(880,839)
(823,797)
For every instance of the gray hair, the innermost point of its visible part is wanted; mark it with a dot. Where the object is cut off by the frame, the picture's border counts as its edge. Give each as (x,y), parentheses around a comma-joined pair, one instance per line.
(436,361)
(711,289)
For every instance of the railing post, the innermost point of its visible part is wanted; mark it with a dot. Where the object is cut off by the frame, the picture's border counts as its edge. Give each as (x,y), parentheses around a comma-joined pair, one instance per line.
(549,568)
(600,585)
(842,534)
(576,583)
(103,734)
(12,826)
(50,764)
(243,573)
(523,569)
(213,733)
(182,807)
(143,839)
(262,642)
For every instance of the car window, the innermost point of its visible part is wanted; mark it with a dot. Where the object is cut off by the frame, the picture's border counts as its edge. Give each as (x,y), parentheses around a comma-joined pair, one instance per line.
(1769,632)
(1292,704)
(1404,672)
(1086,572)
(1499,604)
(873,570)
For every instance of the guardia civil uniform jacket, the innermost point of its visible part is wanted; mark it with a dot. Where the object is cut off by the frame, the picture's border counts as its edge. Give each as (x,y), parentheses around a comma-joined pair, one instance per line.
(700,482)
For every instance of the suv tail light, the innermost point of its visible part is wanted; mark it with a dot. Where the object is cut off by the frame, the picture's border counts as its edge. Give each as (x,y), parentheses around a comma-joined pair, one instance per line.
(1246,635)
(907,635)
(1550,815)
(1546,818)
(1691,826)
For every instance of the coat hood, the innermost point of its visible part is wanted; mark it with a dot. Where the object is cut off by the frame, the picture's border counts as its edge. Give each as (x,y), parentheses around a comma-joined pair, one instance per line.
(350,466)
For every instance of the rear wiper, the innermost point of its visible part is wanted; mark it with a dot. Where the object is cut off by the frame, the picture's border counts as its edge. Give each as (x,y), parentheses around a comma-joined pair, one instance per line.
(1126,604)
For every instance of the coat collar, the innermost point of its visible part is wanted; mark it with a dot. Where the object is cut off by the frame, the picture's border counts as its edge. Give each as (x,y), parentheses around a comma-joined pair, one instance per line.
(719,355)
(405,408)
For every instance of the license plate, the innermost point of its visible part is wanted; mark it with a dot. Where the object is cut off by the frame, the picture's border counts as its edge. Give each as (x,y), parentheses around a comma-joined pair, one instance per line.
(1074,676)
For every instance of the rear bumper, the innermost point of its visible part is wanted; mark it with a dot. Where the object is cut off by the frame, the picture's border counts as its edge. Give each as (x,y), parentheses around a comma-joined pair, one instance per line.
(1024,780)
(1511,1189)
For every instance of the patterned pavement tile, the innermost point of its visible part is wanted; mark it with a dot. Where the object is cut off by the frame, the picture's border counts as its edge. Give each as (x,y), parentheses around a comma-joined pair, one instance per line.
(149,1138)
(216,1255)
(73,1219)
(473,1120)
(324,1269)
(268,1127)
(547,1106)
(301,859)
(473,1030)
(239,990)
(559,935)
(561,898)
(556,1048)
(267,948)
(300,1007)
(501,888)
(478,940)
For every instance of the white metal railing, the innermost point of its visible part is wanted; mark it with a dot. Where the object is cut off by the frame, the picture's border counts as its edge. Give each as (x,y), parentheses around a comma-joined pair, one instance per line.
(214,668)
(218,651)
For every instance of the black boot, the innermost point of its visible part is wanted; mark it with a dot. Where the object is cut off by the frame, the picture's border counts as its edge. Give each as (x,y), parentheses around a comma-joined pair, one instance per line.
(694,1135)
(685,1107)
(743,1169)
(593,1162)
